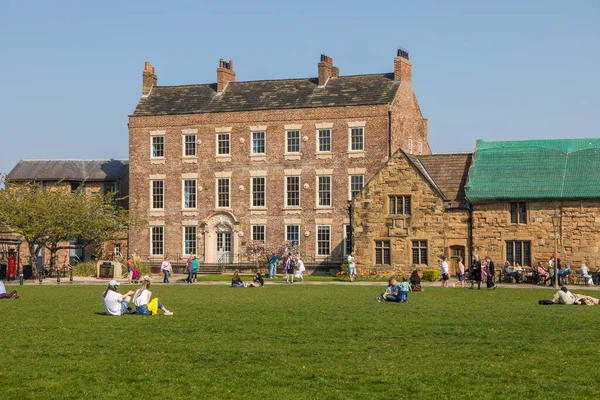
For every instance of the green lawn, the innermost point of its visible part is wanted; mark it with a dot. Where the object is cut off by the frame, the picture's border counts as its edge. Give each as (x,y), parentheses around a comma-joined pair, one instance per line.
(299,342)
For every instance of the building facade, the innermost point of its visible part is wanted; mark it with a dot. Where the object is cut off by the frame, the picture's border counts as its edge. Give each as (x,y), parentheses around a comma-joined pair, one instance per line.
(216,166)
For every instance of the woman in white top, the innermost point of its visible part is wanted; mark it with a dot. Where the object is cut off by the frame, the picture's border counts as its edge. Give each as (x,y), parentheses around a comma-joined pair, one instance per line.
(300,269)
(143,297)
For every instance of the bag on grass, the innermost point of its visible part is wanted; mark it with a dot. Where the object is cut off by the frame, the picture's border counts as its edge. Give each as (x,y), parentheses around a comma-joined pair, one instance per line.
(153,306)
(546,302)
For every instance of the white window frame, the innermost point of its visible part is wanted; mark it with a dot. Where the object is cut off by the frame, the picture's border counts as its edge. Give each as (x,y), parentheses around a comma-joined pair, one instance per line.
(410,146)
(350,149)
(162,242)
(152,181)
(185,142)
(317,249)
(319,151)
(252,192)
(287,141)
(185,241)
(183,194)
(153,144)
(287,191)
(287,239)
(228,194)
(318,189)
(420,148)
(253,232)
(350,184)
(217,140)
(264,140)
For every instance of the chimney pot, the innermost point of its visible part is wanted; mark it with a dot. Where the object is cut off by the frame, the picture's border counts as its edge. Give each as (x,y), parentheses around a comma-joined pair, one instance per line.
(149,79)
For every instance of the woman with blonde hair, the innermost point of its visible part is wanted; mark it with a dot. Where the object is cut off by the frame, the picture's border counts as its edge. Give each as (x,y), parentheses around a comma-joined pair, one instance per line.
(144,303)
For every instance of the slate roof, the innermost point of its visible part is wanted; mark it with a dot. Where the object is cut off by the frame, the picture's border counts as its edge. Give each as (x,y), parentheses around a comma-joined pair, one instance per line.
(535,169)
(270,94)
(73,170)
(449,172)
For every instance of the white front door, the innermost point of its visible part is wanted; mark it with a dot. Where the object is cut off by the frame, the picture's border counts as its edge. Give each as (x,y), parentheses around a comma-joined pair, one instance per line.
(224,248)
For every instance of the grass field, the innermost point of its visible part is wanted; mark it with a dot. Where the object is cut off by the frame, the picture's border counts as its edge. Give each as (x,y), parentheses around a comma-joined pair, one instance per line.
(299,342)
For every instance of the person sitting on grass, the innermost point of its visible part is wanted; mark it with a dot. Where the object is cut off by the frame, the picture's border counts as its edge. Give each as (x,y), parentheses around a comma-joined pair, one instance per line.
(392,292)
(236,281)
(144,303)
(114,302)
(257,281)
(415,282)
(564,296)
(4,295)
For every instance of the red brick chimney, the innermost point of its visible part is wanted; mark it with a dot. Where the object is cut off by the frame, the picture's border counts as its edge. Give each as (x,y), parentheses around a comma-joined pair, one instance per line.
(225,74)
(327,70)
(149,79)
(402,66)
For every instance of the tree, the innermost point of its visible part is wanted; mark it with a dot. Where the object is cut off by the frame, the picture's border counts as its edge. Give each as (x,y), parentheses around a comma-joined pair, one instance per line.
(261,254)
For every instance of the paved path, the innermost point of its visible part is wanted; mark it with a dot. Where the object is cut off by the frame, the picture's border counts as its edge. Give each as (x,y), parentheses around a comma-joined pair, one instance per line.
(177,279)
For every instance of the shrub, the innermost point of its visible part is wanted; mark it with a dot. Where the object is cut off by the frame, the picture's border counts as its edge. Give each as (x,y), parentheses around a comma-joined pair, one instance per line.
(431,275)
(85,269)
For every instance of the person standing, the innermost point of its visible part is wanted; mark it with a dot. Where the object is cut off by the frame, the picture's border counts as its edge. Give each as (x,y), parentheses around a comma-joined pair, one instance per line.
(129,270)
(190,268)
(166,269)
(476,272)
(195,267)
(445,272)
(273,266)
(289,268)
(351,267)
(491,271)
(460,272)
(300,268)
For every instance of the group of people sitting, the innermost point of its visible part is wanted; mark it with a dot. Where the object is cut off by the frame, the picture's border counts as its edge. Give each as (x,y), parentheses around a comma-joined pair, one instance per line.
(397,292)
(118,304)
(257,281)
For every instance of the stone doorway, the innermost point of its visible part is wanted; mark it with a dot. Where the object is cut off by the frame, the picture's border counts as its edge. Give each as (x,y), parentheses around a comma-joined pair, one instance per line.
(220,244)
(455,253)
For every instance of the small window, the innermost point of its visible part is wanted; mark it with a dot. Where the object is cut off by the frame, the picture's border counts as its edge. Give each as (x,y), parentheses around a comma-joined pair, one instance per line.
(189,194)
(324,191)
(223,144)
(258,233)
(382,252)
(292,234)
(518,212)
(420,148)
(158,146)
(78,187)
(110,187)
(356,185)
(258,143)
(400,205)
(223,192)
(324,141)
(410,148)
(419,252)
(189,146)
(190,240)
(518,251)
(157,240)
(293,142)
(357,142)
(158,195)
(323,240)
(259,192)
(292,191)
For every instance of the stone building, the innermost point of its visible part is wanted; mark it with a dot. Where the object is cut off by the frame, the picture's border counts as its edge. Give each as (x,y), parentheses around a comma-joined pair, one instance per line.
(412,213)
(516,187)
(89,176)
(214,166)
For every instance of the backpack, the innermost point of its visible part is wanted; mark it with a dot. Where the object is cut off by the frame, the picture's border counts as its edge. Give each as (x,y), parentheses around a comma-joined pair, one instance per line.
(135,274)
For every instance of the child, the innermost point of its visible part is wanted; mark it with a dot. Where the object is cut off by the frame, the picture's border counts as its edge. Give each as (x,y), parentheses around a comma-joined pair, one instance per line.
(404,289)
(195,269)
(300,269)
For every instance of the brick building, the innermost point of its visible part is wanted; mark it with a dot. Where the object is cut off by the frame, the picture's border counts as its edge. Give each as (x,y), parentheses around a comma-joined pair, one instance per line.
(214,166)
(413,212)
(89,176)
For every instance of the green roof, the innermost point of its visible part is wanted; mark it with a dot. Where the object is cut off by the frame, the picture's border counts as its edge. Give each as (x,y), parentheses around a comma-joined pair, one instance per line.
(535,169)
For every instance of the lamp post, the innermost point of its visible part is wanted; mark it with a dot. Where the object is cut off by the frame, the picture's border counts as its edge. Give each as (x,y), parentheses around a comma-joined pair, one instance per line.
(556,223)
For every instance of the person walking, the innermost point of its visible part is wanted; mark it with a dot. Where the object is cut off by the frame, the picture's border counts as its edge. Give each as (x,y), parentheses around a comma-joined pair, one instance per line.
(195,267)
(190,268)
(289,268)
(490,270)
(300,268)
(460,272)
(166,269)
(476,273)
(445,272)
(129,270)
(273,266)
(351,267)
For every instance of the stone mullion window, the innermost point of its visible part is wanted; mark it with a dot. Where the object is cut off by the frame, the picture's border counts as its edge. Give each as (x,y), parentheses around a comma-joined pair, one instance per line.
(382,252)
(518,251)
(518,212)
(419,252)
(400,205)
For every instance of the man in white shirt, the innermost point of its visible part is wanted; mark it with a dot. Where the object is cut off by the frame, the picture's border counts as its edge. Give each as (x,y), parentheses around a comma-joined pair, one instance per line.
(114,302)
(445,272)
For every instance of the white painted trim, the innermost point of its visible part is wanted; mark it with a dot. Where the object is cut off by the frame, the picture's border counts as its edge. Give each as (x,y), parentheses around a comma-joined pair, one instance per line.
(264,153)
(183,207)
(223,174)
(292,172)
(356,171)
(190,175)
(323,171)
(217,144)
(258,128)
(293,127)
(158,177)
(324,125)
(157,133)
(226,129)
(258,173)
(357,124)
(189,131)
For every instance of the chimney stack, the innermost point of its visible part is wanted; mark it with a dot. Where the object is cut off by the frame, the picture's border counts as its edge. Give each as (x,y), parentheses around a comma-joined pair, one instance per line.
(327,70)
(225,74)
(149,79)
(402,66)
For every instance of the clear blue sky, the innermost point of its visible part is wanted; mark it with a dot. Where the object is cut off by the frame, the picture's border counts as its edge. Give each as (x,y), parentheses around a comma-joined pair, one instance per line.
(71,71)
